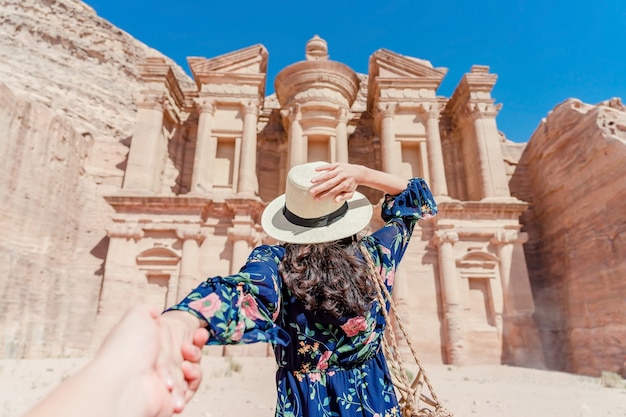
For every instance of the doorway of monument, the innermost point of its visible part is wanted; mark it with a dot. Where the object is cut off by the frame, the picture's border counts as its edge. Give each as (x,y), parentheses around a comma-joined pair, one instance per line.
(160,267)
(481,298)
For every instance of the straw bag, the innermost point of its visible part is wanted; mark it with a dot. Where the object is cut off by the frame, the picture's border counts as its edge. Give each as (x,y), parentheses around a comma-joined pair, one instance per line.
(413,401)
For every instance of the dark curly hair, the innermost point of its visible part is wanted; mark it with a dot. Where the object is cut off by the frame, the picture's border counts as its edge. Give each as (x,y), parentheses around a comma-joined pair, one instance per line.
(328,278)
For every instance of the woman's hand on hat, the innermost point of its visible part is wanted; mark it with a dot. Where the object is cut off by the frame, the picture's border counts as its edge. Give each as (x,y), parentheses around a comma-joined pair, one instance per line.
(337,180)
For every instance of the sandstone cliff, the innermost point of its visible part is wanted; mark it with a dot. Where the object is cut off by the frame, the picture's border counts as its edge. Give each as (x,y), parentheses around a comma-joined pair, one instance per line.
(572,172)
(66,118)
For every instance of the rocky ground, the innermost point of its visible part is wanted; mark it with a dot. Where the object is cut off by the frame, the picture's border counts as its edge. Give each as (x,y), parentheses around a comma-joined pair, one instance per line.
(244,386)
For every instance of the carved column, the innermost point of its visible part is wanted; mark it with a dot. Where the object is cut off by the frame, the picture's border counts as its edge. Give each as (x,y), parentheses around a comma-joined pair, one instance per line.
(248,182)
(143,166)
(206,149)
(244,237)
(483,153)
(189,278)
(435,153)
(504,240)
(520,338)
(391,160)
(342,136)
(120,277)
(453,319)
(296,139)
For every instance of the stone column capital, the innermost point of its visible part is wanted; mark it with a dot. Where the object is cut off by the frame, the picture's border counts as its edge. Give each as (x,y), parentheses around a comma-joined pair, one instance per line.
(190,232)
(476,110)
(502,237)
(250,107)
(292,113)
(386,109)
(343,115)
(433,111)
(445,236)
(295,113)
(152,101)
(125,230)
(246,233)
(205,105)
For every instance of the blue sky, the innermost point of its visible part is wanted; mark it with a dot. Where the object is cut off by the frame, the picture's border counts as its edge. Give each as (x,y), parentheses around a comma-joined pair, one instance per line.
(544,51)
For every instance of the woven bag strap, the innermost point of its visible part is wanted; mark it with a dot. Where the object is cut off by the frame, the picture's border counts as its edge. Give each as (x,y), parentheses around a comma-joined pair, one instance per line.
(411,392)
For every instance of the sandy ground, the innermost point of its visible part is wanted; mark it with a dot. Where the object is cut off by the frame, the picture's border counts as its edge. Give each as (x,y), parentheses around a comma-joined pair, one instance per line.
(245,386)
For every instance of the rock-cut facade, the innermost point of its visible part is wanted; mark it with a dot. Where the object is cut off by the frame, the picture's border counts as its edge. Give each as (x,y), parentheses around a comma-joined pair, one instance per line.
(204,162)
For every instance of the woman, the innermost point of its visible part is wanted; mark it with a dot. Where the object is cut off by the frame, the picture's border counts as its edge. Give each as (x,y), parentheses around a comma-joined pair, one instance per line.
(312,296)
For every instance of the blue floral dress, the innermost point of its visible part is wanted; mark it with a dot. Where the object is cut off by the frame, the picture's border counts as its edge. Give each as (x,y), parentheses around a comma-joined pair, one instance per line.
(326,366)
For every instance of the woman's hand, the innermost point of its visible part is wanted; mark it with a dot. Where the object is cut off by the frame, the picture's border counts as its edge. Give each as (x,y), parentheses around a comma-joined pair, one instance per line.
(178,362)
(337,180)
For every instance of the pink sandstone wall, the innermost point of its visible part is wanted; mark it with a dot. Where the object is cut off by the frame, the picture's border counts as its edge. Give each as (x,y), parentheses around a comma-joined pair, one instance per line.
(42,204)
(73,81)
(573,174)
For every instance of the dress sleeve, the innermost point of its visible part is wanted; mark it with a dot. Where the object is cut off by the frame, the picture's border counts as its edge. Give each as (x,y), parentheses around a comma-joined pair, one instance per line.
(401,212)
(242,308)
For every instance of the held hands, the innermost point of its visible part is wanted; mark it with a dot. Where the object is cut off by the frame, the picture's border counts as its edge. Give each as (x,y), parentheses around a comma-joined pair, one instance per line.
(127,377)
(336,180)
(181,340)
(136,346)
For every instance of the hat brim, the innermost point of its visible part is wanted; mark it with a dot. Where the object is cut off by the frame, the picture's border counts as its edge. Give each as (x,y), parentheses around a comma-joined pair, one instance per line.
(278,227)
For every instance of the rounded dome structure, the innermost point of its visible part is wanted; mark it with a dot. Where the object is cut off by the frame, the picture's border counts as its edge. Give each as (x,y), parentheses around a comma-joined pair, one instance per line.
(317,77)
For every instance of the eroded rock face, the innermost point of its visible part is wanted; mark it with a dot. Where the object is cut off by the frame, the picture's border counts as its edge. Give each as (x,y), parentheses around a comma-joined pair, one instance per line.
(67,110)
(572,172)
(41,203)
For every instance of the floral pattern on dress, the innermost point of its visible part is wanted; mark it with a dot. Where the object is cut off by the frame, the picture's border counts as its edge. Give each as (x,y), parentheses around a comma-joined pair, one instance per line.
(326,366)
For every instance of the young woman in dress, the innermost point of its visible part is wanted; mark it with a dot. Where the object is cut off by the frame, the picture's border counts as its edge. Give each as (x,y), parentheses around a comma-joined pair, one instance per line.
(312,295)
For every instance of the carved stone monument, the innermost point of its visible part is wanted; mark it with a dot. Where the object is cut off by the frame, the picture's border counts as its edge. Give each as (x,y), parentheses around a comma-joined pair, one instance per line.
(202,164)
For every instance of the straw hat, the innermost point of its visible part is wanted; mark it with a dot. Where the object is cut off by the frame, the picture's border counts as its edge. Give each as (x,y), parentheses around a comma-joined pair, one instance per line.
(295,217)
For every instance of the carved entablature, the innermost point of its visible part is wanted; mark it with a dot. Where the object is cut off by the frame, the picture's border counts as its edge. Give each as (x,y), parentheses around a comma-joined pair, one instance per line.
(230,90)
(403,94)
(321,97)
(506,208)
(125,231)
(219,206)
(153,205)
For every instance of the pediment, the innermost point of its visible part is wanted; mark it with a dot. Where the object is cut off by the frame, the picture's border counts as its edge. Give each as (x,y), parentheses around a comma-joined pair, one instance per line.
(388,64)
(158,256)
(247,61)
